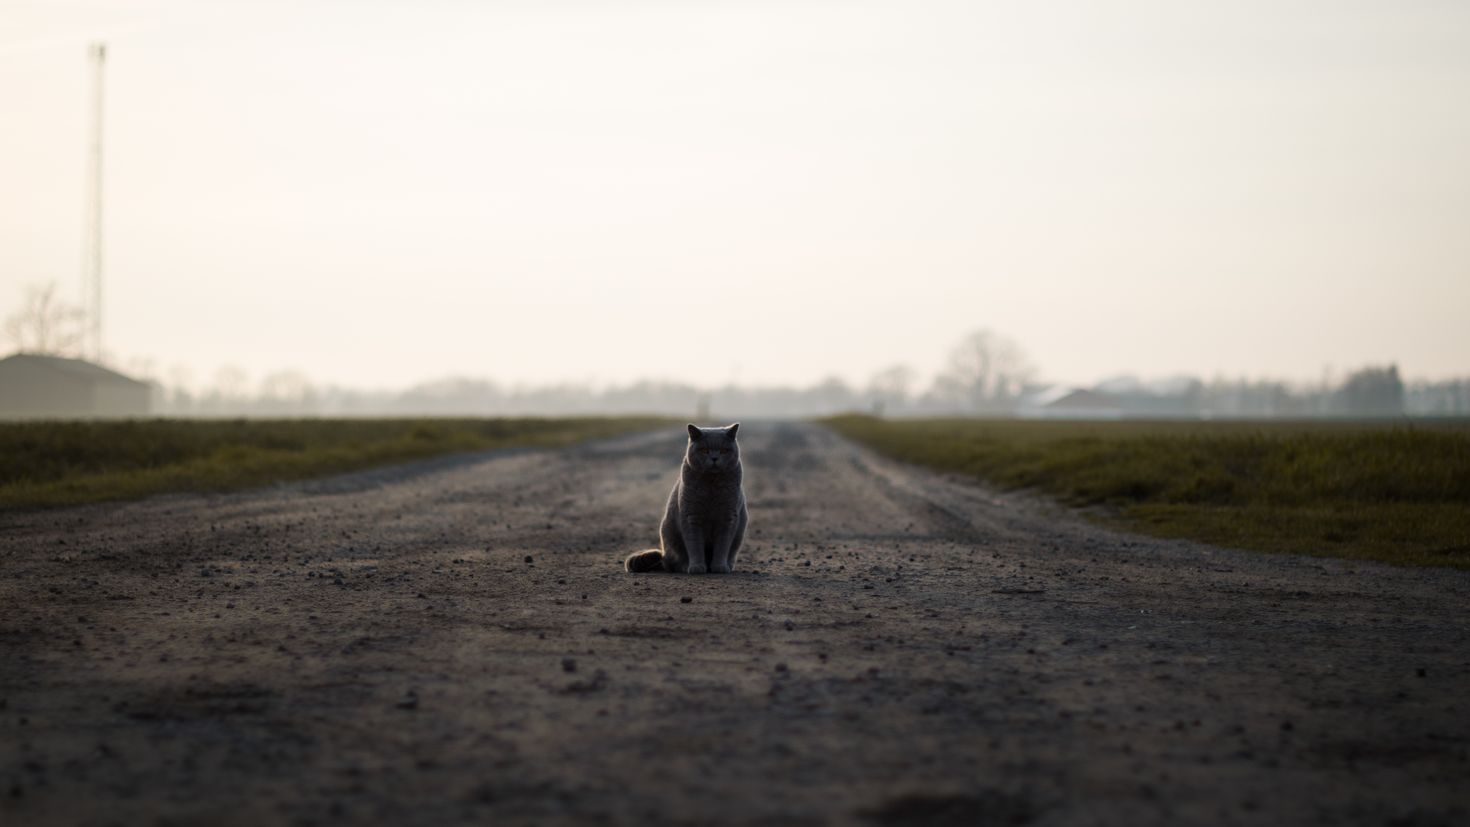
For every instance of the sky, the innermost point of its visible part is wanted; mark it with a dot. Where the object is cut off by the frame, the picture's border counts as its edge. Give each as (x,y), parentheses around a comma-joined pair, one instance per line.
(379,193)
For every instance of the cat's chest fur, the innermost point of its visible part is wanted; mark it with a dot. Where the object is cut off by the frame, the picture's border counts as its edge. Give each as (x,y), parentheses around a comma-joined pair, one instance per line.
(711,503)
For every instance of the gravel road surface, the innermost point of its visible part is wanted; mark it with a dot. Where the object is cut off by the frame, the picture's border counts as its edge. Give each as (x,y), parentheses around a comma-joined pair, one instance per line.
(455,642)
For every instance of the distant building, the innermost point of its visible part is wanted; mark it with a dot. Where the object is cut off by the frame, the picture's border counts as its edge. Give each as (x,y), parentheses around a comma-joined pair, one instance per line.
(1062,402)
(54,387)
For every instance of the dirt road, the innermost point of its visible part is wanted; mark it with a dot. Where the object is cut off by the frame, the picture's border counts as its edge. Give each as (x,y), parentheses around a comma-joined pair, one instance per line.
(455,643)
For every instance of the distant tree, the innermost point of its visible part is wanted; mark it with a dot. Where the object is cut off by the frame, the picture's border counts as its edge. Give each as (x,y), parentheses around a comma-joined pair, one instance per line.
(45,324)
(179,398)
(287,391)
(889,388)
(453,395)
(1444,398)
(832,395)
(986,372)
(230,387)
(1372,392)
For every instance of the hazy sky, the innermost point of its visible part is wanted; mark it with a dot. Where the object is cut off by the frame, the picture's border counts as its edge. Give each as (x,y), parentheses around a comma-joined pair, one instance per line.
(378,193)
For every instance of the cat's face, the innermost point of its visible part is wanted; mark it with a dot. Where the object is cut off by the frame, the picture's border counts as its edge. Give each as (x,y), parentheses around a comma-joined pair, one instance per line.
(713,449)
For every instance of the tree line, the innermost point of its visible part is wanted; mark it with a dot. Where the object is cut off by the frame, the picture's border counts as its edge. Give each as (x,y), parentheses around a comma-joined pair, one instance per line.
(986,374)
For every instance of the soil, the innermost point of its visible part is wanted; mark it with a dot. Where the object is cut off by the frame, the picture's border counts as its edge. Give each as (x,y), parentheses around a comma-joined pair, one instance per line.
(456,642)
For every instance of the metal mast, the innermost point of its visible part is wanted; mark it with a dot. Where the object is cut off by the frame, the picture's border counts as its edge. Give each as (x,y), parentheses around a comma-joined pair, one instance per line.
(92,241)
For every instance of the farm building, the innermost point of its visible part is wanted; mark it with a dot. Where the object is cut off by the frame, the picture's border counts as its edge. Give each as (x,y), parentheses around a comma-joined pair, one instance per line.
(54,387)
(1062,402)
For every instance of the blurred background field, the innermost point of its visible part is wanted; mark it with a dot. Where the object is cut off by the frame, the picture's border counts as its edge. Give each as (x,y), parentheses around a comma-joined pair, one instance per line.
(68,463)
(1393,492)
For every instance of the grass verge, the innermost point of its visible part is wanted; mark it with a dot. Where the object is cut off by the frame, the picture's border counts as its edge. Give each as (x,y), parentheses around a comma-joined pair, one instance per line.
(44,464)
(1396,493)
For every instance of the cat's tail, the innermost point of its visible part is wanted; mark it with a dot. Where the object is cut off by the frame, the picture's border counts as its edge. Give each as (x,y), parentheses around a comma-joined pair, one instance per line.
(650,560)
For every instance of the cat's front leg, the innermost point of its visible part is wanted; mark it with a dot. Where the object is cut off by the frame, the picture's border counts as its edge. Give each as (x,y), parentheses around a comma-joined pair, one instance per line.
(694,548)
(719,552)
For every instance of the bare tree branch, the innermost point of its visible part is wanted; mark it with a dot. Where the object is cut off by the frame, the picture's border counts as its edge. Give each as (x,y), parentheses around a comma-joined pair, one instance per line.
(45,324)
(987,371)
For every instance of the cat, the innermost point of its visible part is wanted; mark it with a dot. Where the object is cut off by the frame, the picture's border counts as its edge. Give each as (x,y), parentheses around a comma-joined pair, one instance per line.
(704,522)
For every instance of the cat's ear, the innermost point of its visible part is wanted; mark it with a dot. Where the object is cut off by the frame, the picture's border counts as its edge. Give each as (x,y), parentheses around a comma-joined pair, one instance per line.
(732,429)
(695,433)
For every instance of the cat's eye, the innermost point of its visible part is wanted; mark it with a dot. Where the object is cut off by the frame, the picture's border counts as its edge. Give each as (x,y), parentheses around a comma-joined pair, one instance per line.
(704,450)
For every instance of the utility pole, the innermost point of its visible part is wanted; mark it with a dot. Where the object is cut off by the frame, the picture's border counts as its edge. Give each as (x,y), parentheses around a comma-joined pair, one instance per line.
(92,240)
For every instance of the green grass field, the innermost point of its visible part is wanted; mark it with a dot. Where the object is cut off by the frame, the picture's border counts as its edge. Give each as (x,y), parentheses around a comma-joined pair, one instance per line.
(46,464)
(1397,493)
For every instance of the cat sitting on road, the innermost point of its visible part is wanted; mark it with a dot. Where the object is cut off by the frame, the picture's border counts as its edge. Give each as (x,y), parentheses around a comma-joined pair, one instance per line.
(704,522)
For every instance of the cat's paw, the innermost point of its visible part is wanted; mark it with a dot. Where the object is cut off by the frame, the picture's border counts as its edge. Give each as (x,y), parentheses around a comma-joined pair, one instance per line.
(696,568)
(720,568)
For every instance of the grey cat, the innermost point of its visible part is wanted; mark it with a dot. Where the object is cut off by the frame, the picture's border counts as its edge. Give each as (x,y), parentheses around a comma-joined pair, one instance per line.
(704,523)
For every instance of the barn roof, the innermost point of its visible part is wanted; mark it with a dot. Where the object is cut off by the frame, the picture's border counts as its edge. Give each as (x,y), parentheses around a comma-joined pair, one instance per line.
(1083,398)
(1064,396)
(75,368)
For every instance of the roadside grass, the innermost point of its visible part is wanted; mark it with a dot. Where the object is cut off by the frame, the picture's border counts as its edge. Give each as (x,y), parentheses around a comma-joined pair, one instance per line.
(45,464)
(1393,492)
